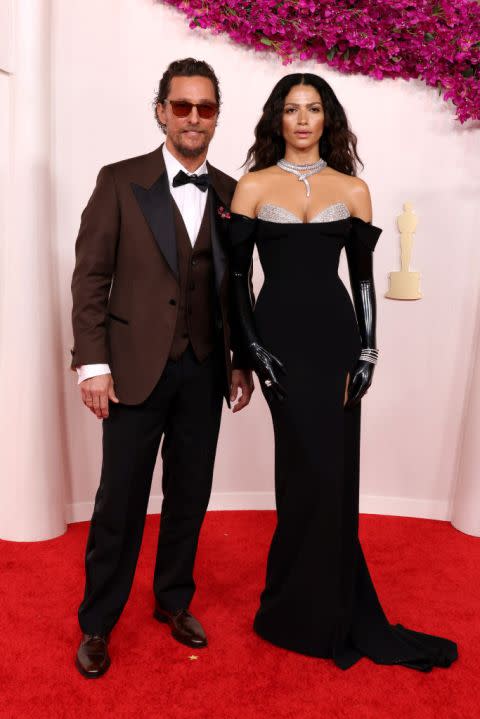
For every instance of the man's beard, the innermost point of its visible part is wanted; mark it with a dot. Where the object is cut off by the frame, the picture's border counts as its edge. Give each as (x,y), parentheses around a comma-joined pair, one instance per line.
(190,152)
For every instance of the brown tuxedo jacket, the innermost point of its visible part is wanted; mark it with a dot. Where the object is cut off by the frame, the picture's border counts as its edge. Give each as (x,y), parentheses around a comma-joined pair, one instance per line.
(125,284)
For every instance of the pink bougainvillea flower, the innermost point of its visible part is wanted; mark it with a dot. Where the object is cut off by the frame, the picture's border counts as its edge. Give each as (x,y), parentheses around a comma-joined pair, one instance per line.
(437,41)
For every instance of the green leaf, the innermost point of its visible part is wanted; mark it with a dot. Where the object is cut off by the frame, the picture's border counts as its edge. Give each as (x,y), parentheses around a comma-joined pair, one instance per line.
(266,41)
(428,37)
(346,54)
(331,53)
(470,72)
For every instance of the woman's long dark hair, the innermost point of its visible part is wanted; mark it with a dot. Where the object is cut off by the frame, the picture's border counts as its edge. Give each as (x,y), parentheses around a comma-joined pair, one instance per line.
(338,144)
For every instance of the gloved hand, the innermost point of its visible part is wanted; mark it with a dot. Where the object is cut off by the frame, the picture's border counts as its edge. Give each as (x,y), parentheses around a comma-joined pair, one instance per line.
(267,367)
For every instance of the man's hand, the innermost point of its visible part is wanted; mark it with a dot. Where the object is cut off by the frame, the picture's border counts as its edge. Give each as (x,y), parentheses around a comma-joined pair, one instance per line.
(243,380)
(96,392)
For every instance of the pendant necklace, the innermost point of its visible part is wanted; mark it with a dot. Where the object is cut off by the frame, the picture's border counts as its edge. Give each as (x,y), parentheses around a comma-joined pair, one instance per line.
(303,171)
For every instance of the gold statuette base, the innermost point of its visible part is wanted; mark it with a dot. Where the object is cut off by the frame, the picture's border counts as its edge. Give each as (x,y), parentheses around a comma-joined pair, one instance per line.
(404,286)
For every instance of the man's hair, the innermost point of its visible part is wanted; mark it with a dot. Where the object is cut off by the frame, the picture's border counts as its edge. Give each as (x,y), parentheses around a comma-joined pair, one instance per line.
(188,67)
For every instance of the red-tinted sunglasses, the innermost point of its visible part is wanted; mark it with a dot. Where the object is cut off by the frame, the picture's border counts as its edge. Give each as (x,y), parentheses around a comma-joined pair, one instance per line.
(182,108)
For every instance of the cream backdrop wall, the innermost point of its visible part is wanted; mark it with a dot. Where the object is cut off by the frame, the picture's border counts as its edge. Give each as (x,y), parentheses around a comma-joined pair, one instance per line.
(106,61)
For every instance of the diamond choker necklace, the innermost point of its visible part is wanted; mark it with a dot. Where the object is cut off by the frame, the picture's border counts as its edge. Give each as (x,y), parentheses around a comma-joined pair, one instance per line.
(303,171)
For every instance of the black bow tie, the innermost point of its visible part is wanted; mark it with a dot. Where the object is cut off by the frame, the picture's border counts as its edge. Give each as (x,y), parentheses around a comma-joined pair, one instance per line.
(201,181)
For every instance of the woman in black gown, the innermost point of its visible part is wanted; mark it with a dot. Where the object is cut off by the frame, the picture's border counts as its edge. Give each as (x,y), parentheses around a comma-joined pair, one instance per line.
(314,353)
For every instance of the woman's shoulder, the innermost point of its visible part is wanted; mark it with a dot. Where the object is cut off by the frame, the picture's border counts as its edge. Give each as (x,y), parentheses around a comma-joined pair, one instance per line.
(258,177)
(252,186)
(250,189)
(354,193)
(354,188)
(350,181)
(359,193)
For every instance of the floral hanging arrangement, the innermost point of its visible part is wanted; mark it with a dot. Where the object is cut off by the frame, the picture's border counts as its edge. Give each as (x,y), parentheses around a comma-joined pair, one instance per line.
(437,41)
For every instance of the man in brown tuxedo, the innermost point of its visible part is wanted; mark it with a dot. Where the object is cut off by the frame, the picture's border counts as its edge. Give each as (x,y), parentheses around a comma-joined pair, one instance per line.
(152,351)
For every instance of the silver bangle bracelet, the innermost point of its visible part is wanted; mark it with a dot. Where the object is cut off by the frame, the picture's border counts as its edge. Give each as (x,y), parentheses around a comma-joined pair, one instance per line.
(369,354)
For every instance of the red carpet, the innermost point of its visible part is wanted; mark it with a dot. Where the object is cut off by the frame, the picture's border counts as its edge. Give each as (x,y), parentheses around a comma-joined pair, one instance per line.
(426,573)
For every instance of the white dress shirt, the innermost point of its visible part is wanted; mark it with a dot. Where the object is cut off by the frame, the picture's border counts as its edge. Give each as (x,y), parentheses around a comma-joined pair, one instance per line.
(191,202)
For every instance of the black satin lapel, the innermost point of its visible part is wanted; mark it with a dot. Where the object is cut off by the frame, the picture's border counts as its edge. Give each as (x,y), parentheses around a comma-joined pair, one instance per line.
(156,207)
(219,255)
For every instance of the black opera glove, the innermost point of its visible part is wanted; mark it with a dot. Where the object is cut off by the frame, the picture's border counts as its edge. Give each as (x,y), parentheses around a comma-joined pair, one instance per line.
(359,248)
(241,236)
(267,367)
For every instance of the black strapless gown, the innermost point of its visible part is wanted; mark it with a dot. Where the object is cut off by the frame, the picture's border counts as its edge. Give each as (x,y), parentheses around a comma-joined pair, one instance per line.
(319,598)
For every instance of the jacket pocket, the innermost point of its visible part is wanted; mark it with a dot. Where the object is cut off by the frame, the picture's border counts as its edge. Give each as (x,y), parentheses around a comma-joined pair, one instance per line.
(117,318)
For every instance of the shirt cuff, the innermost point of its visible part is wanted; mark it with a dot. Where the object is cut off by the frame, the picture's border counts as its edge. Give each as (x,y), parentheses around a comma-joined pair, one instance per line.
(86,371)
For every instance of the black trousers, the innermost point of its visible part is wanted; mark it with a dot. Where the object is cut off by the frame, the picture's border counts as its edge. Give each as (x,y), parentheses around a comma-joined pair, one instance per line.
(185,408)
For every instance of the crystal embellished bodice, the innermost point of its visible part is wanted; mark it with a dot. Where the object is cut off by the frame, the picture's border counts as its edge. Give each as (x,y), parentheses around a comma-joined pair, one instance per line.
(274,213)
(306,254)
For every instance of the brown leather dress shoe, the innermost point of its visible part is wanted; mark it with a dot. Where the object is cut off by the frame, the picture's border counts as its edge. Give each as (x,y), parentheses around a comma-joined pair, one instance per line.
(92,658)
(185,628)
